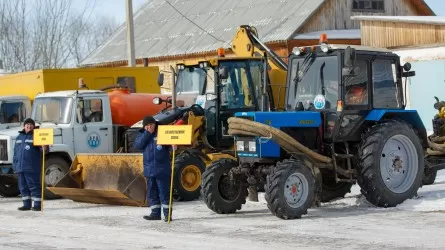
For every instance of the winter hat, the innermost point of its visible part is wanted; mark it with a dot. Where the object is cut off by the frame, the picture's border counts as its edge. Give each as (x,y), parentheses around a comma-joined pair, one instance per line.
(29,121)
(147,120)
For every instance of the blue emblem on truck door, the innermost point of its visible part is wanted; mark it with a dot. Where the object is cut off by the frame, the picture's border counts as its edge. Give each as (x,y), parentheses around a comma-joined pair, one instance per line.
(93,140)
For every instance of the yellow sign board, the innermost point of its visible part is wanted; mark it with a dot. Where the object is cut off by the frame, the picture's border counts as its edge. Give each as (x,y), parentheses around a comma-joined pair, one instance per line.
(43,136)
(174,135)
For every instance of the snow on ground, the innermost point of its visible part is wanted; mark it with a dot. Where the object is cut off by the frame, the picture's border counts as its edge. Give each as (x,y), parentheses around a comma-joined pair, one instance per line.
(349,223)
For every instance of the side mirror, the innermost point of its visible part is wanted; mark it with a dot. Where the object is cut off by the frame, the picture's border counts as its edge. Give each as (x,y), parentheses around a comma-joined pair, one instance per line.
(349,57)
(407,66)
(157,101)
(224,72)
(161,79)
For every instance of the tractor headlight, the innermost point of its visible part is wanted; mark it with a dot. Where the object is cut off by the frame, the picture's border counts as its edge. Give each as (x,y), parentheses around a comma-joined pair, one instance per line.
(252,146)
(240,145)
(324,47)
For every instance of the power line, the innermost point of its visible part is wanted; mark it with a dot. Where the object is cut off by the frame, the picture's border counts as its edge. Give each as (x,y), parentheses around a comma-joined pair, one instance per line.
(194,23)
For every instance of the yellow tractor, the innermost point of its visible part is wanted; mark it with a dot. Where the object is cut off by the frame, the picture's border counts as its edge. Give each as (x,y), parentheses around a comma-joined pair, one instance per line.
(212,91)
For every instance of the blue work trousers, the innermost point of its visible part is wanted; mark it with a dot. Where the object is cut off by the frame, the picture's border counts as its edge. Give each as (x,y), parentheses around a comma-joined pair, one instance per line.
(30,188)
(158,194)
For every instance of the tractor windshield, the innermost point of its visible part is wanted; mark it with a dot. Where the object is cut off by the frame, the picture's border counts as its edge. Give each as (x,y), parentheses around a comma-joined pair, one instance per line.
(192,79)
(314,82)
(52,109)
(243,85)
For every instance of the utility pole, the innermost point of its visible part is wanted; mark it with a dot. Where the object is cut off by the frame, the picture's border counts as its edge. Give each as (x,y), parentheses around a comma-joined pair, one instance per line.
(130,34)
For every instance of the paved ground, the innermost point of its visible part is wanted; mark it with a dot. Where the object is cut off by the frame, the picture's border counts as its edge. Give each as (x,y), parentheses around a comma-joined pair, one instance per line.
(349,223)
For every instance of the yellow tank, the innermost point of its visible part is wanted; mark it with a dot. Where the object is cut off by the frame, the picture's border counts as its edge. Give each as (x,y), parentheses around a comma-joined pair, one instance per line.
(139,79)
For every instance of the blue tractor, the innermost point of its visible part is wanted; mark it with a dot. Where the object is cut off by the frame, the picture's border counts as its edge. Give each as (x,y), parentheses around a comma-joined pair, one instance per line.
(344,122)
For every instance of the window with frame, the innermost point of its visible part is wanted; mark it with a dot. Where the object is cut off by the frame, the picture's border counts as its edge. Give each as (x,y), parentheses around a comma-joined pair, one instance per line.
(368,5)
(12,112)
(356,87)
(91,110)
(127,81)
(384,79)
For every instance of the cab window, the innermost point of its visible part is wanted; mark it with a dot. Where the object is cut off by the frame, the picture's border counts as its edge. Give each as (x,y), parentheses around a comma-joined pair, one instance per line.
(91,110)
(12,112)
(356,92)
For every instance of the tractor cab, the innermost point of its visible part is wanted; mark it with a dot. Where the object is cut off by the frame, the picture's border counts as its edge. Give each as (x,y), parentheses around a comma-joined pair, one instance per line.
(345,83)
(223,86)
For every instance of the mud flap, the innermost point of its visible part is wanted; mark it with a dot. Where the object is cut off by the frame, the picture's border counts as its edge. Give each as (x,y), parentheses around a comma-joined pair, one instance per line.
(115,179)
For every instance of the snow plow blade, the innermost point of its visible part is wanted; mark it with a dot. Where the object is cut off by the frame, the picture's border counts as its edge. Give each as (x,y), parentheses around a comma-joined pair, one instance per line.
(115,179)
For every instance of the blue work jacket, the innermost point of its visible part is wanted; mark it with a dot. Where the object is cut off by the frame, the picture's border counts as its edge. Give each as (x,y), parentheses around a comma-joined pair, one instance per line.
(157,161)
(27,157)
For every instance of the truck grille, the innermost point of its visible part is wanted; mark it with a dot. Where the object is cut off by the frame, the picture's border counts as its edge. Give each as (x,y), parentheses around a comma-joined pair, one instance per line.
(3,150)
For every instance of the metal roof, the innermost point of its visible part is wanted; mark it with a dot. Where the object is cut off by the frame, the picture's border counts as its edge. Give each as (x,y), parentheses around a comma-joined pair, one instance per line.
(160,30)
(435,20)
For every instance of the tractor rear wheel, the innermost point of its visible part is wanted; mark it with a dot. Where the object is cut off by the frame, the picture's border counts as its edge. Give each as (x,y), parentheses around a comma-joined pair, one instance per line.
(223,194)
(187,177)
(391,164)
(290,189)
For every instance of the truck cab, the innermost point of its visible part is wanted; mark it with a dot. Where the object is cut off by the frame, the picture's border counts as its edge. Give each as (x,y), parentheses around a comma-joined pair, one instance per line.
(13,110)
(82,123)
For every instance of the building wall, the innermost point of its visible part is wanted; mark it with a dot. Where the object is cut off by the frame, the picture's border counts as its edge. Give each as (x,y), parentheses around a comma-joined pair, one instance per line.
(396,34)
(336,14)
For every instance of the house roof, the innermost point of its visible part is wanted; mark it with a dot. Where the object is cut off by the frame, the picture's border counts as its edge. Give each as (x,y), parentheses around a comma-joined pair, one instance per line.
(162,29)
(434,20)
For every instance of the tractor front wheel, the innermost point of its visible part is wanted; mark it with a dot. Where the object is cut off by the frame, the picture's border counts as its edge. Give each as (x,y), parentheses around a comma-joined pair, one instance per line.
(188,171)
(391,164)
(290,190)
(223,192)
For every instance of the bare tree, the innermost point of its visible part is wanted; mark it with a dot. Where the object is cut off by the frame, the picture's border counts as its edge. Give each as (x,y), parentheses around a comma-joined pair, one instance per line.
(37,34)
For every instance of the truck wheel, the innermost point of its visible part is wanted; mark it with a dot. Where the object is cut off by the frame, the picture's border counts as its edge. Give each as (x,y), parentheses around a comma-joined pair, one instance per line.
(187,177)
(429,177)
(222,194)
(330,189)
(131,134)
(391,164)
(290,189)
(55,169)
(8,187)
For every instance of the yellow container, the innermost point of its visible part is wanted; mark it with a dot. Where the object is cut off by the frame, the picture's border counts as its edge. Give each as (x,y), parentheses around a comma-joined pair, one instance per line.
(140,79)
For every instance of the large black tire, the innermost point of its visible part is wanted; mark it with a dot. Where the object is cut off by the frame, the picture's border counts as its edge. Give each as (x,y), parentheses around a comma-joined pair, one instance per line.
(55,168)
(330,189)
(131,135)
(372,176)
(429,176)
(278,186)
(9,187)
(219,194)
(187,177)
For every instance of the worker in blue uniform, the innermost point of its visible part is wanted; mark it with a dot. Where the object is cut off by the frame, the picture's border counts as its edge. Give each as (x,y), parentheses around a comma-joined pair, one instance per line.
(27,164)
(157,168)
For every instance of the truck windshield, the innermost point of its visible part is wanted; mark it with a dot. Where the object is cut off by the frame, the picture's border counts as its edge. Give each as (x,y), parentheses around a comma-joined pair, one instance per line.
(52,109)
(243,85)
(314,81)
